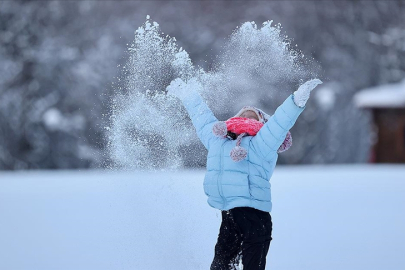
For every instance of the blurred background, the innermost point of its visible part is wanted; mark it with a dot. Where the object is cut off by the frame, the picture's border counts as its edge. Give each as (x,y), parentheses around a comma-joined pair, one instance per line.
(60,60)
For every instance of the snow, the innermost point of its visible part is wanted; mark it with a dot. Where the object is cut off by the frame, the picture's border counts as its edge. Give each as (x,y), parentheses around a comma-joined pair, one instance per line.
(52,118)
(253,61)
(325,97)
(383,96)
(324,217)
(55,120)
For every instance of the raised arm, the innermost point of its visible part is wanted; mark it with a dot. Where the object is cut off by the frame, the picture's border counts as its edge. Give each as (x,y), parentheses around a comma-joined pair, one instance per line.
(272,134)
(201,116)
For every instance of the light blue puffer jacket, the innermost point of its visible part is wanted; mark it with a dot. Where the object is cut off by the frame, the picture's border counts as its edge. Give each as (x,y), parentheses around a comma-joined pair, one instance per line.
(230,184)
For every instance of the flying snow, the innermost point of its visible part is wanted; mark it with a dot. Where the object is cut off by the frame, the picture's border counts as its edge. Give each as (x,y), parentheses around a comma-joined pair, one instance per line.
(148,128)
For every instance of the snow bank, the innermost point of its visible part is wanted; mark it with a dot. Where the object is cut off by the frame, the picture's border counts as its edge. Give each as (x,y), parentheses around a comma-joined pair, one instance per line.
(335,218)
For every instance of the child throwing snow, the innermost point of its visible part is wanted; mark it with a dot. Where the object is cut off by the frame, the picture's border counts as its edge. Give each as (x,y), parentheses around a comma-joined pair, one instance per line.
(242,154)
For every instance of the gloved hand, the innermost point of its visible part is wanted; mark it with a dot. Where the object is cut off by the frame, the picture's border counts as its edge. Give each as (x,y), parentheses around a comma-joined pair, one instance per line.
(182,65)
(180,89)
(301,96)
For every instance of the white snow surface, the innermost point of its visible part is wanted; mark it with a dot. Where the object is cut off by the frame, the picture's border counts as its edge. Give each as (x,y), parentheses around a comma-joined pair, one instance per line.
(324,217)
(383,96)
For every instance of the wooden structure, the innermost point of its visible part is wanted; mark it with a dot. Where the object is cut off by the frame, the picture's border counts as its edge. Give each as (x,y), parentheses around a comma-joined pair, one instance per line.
(387,103)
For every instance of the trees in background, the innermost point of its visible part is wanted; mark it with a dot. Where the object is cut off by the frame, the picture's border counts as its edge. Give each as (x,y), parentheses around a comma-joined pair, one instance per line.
(59,68)
(57,63)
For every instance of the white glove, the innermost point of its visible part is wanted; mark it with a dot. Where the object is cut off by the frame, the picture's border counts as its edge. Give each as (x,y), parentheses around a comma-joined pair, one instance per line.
(182,64)
(180,89)
(301,96)
(177,88)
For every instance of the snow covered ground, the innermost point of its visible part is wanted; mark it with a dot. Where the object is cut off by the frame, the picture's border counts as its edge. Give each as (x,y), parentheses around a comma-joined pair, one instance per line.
(324,217)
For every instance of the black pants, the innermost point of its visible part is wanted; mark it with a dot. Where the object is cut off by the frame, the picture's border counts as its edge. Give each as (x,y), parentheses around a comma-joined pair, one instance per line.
(245,233)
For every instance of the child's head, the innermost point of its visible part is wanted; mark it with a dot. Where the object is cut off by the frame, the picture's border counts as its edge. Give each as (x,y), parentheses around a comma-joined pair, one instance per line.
(237,127)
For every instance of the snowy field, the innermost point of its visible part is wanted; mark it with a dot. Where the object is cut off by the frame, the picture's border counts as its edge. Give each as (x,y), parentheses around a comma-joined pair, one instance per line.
(324,217)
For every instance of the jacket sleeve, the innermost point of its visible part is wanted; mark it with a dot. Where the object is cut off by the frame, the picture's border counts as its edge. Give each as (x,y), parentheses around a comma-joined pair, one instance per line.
(272,134)
(201,116)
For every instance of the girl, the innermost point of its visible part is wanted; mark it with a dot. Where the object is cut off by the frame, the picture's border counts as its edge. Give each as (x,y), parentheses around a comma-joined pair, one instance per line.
(237,178)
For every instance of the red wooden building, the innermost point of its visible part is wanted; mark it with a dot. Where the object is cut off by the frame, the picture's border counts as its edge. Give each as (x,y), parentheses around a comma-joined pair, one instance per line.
(387,104)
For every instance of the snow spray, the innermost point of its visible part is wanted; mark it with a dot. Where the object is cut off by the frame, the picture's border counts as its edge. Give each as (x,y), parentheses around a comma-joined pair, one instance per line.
(147,127)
